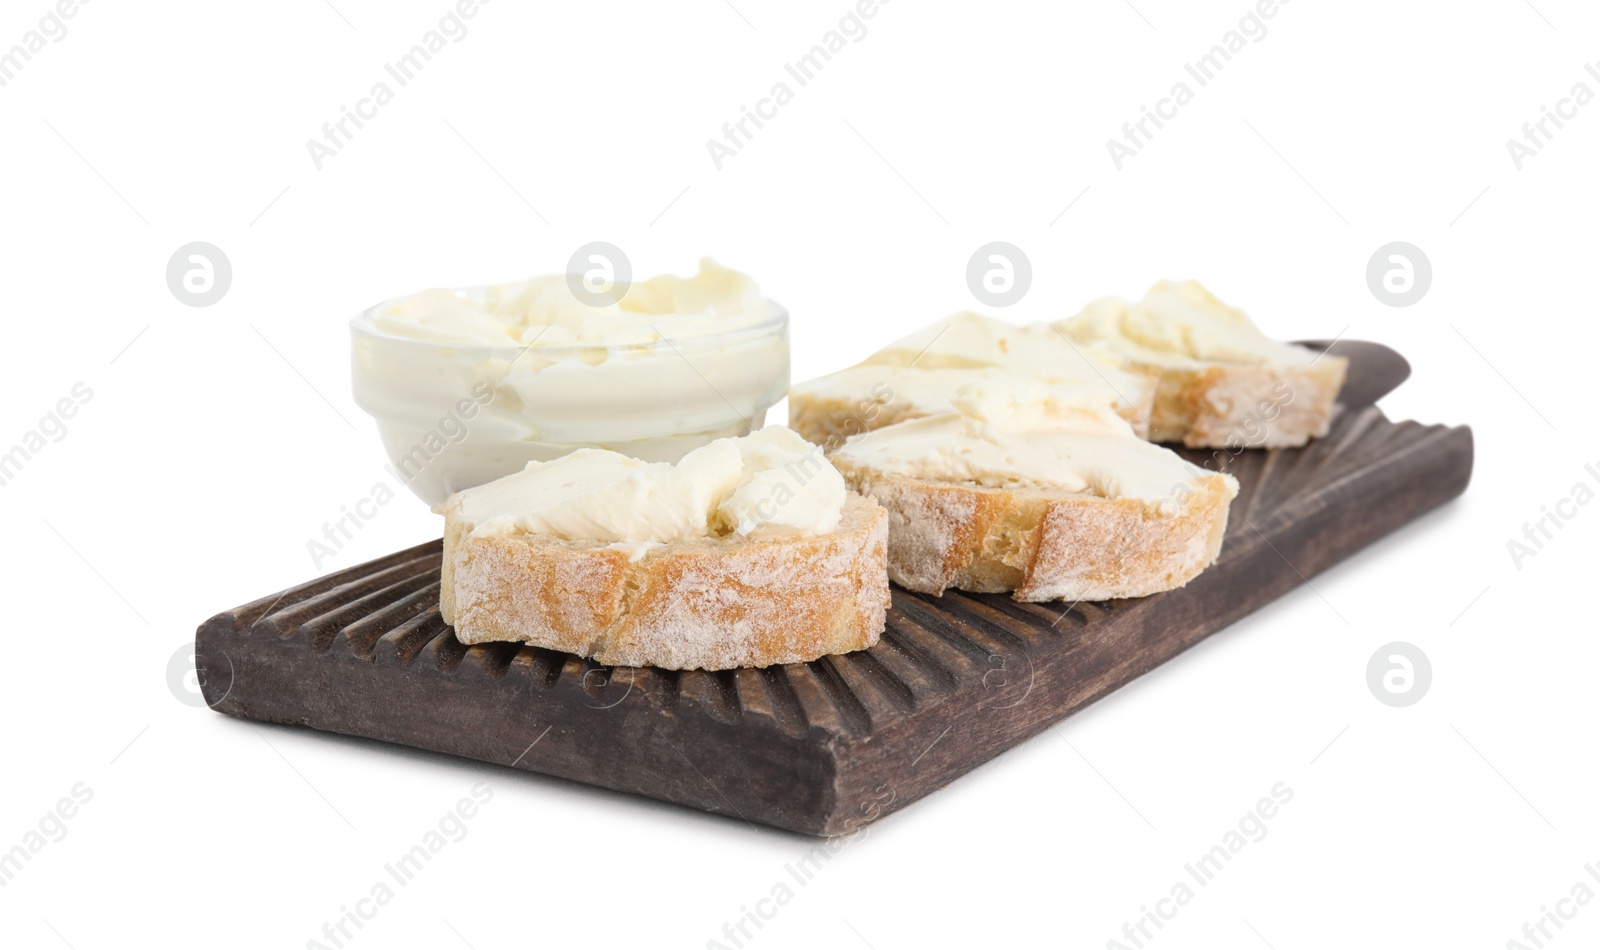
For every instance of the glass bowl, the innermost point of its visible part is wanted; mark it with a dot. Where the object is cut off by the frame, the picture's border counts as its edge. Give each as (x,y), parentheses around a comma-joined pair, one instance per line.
(453,417)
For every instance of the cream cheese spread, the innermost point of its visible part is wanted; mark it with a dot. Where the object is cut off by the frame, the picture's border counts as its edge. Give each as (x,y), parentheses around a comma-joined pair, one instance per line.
(925,368)
(768,483)
(543,312)
(1019,433)
(1178,324)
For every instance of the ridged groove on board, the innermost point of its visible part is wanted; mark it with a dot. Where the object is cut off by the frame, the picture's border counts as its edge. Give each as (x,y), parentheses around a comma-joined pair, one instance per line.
(1259,488)
(943,627)
(573,668)
(324,627)
(1349,448)
(852,683)
(901,650)
(402,644)
(852,711)
(867,687)
(1096,610)
(446,652)
(592,677)
(1350,441)
(361,635)
(662,688)
(282,617)
(988,622)
(715,694)
(820,702)
(610,686)
(728,692)
(544,666)
(1054,617)
(491,659)
(959,619)
(1380,445)
(244,617)
(753,699)
(950,663)
(781,699)
(1294,466)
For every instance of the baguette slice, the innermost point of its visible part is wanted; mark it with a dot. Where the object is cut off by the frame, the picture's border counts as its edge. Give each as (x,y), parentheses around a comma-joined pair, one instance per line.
(830,409)
(1221,382)
(705,603)
(1043,543)
(1023,488)
(917,376)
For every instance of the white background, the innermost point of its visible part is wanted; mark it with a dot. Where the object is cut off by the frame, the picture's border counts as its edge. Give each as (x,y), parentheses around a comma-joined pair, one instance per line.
(222,438)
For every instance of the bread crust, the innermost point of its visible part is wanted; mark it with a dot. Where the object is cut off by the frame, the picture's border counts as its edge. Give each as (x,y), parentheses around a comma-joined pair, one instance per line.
(1043,544)
(708,604)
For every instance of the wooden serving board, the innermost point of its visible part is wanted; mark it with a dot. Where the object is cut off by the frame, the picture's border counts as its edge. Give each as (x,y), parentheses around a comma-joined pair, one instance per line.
(821,747)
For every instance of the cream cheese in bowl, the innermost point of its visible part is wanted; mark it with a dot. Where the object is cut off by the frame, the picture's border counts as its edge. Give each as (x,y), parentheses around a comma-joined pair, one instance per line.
(470,385)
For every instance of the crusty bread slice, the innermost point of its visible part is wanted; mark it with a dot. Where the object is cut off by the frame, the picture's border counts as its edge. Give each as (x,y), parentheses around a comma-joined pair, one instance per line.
(1221,382)
(828,422)
(706,603)
(1231,406)
(1042,543)
(830,409)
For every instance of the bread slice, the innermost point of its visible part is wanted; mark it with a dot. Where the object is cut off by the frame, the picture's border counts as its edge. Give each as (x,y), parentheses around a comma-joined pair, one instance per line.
(917,375)
(869,396)
(1221,383)
(703,603)
(1042,543)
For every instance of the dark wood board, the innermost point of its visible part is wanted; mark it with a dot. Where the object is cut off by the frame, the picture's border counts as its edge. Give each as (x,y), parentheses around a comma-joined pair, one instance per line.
(824,747)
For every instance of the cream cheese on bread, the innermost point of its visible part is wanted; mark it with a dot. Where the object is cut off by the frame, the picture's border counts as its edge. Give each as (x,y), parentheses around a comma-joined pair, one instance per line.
(1178,324)
(973,341)
(1012,432)
(920,373)
(768,483)
(932,390)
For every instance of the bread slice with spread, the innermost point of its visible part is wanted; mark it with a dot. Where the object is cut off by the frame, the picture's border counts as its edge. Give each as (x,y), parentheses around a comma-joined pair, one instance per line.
(748,552)
(1221,382)
(917,376)
(1017,490)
